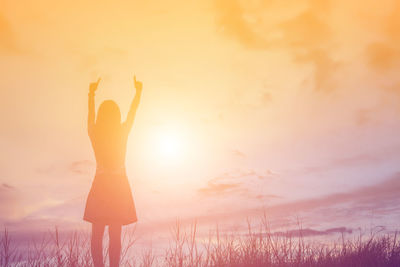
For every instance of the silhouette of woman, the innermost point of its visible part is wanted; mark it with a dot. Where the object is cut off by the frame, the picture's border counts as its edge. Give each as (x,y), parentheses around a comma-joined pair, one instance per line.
(110,199)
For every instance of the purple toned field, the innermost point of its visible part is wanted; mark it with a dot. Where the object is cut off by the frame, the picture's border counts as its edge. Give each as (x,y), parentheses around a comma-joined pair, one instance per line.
(259,247)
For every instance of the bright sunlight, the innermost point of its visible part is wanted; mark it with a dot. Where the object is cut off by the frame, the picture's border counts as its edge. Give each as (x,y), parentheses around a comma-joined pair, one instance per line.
(170,145)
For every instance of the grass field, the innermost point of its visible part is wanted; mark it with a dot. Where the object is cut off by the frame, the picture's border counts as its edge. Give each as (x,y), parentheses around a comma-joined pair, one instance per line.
(253,248)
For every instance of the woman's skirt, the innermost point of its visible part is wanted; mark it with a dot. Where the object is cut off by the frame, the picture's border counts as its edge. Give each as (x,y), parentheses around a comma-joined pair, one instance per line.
(110,200)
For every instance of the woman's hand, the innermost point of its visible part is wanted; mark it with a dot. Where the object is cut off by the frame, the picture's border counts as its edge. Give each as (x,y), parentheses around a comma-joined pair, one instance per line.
(138,85)
(93,86)
(135,103)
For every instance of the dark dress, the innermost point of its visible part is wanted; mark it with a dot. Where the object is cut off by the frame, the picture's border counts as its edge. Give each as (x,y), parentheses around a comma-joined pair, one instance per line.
(110,198)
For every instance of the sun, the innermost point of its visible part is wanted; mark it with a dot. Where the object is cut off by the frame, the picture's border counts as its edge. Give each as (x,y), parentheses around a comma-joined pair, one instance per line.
(169,145)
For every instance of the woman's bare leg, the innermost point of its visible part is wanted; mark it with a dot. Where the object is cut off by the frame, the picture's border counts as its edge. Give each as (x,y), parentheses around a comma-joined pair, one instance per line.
(114,232)
(97,244)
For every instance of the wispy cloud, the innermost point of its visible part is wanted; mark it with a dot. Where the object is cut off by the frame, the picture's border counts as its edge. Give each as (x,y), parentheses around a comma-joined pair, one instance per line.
(381,56)
(215,188)
(231,22)
(83,167)
(238,153)
(384,54)
(8,41)
(7,186)
(307,36)
(242,181)
(382,197)
(312,232)
(268,196)
(361,159)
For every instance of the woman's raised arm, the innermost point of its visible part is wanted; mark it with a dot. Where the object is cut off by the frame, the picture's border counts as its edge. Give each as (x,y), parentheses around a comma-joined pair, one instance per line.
(135,103)
(91,108)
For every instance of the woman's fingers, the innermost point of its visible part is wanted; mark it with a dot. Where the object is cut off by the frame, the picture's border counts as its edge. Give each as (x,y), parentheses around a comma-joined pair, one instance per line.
(138,84)
(93,86)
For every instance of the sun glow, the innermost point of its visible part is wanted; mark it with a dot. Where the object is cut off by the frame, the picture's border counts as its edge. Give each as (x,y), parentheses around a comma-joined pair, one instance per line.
(170,145)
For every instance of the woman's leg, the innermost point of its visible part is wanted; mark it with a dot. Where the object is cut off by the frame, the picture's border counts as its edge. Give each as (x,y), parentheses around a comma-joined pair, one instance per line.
(97,244)
(114,232)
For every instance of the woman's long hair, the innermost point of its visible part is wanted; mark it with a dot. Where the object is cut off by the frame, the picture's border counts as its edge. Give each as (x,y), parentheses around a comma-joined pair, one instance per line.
(108,117)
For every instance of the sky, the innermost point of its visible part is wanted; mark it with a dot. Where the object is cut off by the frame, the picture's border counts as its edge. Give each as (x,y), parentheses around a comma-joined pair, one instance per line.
(248,107)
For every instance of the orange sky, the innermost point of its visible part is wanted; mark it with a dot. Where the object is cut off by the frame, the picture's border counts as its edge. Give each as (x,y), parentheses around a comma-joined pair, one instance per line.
(272,103)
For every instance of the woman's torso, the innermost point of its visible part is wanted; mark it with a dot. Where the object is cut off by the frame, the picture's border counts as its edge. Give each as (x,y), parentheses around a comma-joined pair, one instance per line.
(110,150)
